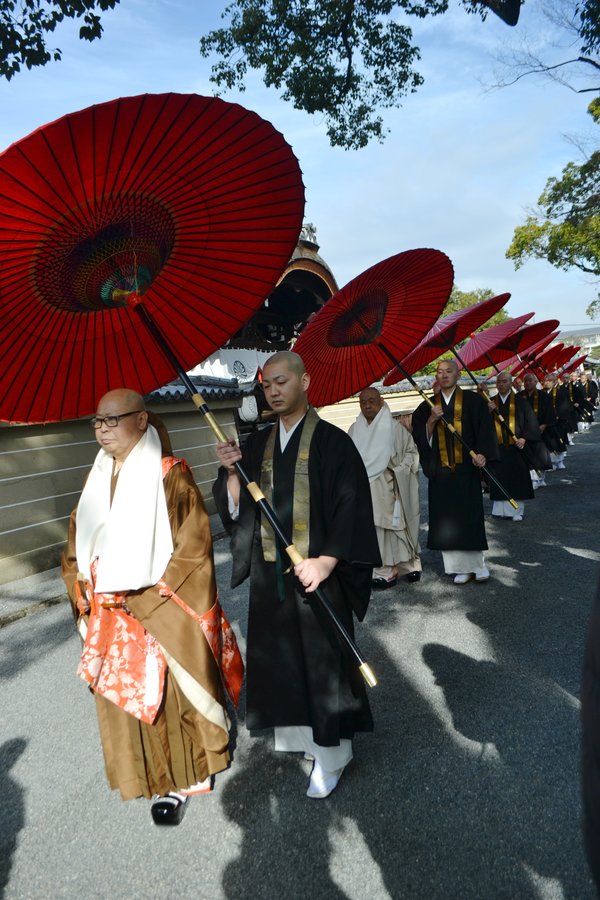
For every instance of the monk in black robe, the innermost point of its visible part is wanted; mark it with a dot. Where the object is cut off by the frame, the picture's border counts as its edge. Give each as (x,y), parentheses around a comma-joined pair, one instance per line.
(456,521)
(577,396)
(299,680)
(566,404)
(539,451)
(516,433)
(590,395)
(558,438)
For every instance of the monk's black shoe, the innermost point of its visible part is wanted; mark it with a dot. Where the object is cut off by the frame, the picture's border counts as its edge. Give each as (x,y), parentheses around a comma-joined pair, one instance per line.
(169,810)
(413,576)
(382,584)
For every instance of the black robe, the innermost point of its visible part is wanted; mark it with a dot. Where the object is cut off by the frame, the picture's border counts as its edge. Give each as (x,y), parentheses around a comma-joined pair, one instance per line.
(577,397)
(539,451)
(296,673)
(565,409)
(555,435)
(590,395)
(456,519)
(512,470)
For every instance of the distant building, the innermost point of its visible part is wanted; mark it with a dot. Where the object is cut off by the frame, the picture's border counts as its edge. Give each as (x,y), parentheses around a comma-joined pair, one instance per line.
(586,338)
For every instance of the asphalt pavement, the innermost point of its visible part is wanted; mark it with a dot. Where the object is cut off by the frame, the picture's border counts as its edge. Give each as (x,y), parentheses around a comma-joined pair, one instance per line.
(468,788)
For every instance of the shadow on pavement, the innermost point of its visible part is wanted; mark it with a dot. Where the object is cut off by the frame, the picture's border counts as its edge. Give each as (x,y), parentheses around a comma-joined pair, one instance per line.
(20,653)
(12,818)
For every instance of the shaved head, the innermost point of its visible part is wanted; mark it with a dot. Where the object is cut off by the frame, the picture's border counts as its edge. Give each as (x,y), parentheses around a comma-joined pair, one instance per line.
(292,360)
(370,401)
(123,400)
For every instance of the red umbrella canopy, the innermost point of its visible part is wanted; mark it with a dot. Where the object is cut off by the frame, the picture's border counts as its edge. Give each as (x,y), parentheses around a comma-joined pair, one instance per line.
(375,318)
(447,332)
(557,362)
(530,355)
(575,364)
(535,359)
(534,352)
(192,202)
(526,337)
(475,354)
(564,359)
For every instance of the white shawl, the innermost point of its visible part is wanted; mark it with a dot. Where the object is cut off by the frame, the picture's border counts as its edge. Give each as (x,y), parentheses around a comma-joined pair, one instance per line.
(132,537)
(374,442)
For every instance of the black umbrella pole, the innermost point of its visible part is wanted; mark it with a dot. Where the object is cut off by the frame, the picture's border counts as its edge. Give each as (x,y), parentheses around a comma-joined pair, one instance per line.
(498,415)
(257,495)
(450,428)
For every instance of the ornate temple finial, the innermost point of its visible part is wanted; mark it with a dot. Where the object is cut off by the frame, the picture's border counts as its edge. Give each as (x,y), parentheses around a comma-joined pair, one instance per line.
(308,233)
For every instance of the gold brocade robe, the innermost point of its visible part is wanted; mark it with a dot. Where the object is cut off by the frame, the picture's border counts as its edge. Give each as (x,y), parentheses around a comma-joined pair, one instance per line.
(189,739)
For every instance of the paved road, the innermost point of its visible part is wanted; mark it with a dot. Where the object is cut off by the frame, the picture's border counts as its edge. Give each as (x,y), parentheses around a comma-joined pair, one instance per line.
(467,789)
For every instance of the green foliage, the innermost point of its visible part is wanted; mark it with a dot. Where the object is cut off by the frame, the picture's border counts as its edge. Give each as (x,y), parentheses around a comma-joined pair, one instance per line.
(565,229)
(462,300)
(344,59)
(589,17)
(24,27)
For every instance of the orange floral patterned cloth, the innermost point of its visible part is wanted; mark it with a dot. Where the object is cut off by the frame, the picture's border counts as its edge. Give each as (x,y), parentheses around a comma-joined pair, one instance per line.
(120,659)
(221,640)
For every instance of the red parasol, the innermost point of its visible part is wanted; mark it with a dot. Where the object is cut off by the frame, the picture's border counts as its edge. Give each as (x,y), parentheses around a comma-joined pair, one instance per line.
(447,332)
(535,360)
(565,358)
(384,311)
(526,337)
(523,341)
(528,357)
(190,201)
(475,354)
(575,364)
(366,323)
(534,352)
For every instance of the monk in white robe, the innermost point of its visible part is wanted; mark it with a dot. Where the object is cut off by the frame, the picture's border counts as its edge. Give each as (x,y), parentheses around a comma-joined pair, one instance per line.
(391,459)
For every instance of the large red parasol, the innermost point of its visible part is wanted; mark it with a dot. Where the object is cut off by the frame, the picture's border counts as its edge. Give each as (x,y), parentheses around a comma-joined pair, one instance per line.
(523,342)
(538,359)
(192,202)
(565,358)
(383,312)
(475,354)
(528,356)
(523,339)
(575,364)
(447,332)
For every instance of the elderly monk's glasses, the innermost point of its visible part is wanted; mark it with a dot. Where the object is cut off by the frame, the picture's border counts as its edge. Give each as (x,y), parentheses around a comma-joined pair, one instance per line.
(112,421)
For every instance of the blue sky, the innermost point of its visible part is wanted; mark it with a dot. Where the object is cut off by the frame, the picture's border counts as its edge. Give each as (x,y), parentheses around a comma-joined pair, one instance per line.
(457,171)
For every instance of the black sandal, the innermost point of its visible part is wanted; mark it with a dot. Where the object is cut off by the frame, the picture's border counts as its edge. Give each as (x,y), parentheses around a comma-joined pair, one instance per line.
(169,810)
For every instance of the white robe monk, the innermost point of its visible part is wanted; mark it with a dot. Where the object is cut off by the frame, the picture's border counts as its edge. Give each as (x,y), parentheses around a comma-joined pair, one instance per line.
(392,462)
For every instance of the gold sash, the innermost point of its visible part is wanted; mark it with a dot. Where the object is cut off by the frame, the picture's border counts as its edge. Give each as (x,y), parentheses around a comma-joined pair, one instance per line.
(535,402)
(501,433)
(451,451)
(301,503)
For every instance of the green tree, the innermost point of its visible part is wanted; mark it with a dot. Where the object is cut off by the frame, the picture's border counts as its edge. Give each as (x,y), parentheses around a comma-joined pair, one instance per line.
(565,228)
(344,59)
(25,27)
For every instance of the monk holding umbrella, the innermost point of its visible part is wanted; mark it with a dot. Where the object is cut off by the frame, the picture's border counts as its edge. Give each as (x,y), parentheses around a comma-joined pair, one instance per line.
(456,520)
